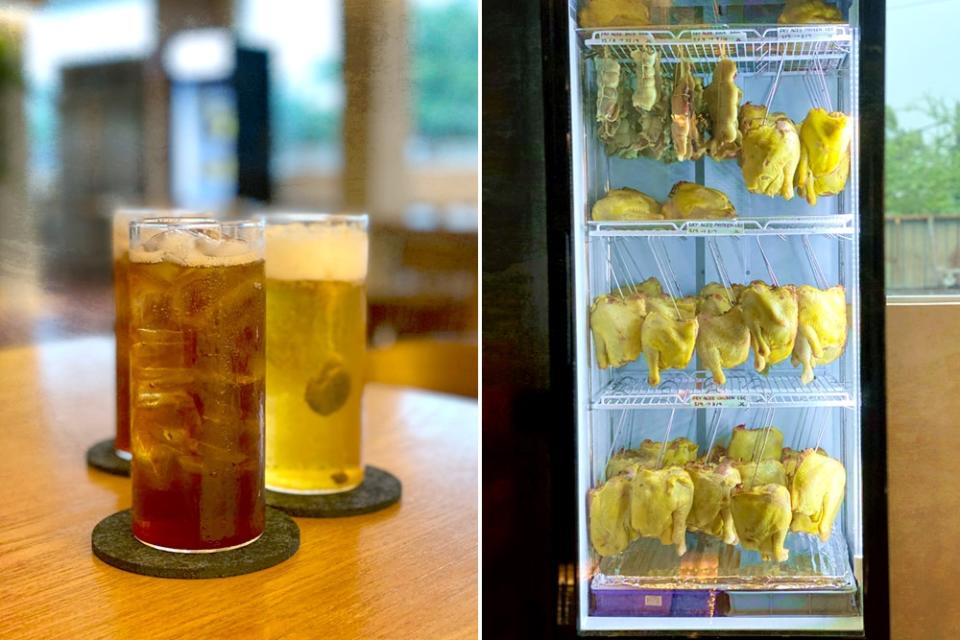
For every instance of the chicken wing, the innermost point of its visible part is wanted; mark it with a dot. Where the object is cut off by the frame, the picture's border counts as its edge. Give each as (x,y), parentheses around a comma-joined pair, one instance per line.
(771,317)
(722,97)
(688,200)
(667,341)
(816,493)
(617,323)
(609,515)
(824,154)
(626,204)
(822,332)
(660,503)
(764,443)
(710,512)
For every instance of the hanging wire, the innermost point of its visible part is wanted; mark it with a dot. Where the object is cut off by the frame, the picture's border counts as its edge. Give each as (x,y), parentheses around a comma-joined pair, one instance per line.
(613,274)
(632,282)
(714,428)
(668,276)
(771,92)
(666,439)
(721,268)
(768,421)
(773,276)
(616,434)
(814,263)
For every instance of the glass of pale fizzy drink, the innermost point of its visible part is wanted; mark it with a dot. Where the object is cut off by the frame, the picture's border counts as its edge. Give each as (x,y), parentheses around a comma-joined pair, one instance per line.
(316,345)
(197,348)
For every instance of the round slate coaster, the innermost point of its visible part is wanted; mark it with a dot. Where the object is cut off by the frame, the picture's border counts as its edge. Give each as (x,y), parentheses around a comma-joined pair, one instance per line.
(104,457)
(113,542)
(379,490)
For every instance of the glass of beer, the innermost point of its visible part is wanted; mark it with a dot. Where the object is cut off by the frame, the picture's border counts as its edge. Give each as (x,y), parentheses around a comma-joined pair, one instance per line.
(316,345)
(197,351)
(121,299)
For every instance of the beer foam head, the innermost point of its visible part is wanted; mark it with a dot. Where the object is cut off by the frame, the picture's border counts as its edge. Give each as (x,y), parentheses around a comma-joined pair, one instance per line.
(193,248)
(318,251)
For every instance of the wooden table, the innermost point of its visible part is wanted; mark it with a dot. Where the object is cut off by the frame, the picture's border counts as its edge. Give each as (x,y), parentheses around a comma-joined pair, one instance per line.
(407,572)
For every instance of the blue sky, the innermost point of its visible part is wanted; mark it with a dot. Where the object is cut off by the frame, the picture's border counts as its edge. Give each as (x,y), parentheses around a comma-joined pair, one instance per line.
(921,36)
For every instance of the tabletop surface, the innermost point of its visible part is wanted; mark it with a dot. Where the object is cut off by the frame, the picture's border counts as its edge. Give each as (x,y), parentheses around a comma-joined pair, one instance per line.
(407,572)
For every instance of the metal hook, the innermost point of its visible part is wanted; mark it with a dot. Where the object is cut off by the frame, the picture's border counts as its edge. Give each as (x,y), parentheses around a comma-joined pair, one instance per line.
(773,276)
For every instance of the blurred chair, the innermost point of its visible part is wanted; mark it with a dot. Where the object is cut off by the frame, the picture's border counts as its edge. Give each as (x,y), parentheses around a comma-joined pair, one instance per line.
(447,366)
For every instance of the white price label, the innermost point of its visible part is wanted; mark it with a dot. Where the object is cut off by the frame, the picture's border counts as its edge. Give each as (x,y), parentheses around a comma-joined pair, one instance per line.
(715,227)
(718,35)
(622,37)
(710,400)
(806,33)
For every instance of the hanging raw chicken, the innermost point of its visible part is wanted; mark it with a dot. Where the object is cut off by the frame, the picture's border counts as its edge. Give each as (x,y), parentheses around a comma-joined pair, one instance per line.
(809,12)
(822,332)
(677,452)
(668,335)
(650,288)
(816,493)
(722,98)
(685,128)
(649,78)
(688,200)
(761,516)
(710,511)
(613,13)
(763,443)
(825,140)
(723,340)
(763,472)
(626,204)
(771,316)
(609,513)
(660,503)
(616,323)
(608,95)
(770,152)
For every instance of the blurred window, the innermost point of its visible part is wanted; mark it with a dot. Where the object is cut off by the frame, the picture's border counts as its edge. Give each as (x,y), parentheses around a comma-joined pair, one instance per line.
(305,42)
(442,147)
(922,199)
(72,32)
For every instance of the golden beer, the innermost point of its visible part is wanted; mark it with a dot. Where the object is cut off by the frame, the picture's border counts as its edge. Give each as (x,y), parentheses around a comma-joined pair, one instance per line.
(197,351)
(316,345)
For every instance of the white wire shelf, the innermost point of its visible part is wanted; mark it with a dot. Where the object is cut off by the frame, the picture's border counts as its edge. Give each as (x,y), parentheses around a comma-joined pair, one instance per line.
(744,389)
(799,48)
(838,225)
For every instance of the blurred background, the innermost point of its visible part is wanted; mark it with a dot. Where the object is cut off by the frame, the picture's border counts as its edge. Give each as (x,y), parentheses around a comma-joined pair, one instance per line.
(238,106)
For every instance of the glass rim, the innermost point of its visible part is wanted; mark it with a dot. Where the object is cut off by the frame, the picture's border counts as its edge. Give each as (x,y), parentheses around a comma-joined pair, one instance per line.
(199,222)
(306,216)
(162,212)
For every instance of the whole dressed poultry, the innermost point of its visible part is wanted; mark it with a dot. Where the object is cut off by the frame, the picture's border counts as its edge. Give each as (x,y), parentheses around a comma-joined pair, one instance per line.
(609,507)
(616,323)
(825,140)
(660,503)
(762,472)
(770,152)
(677,452)
(822,332)
(667,341)
(608,95)
(649,78)
(764,443)
(723,340)
(626,204)
(613,13)
(761,516)
(809,12)
(816,493)
(688,200)
(710,512)
(771,317)
(684,107)
(722,99)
